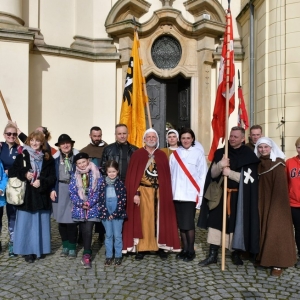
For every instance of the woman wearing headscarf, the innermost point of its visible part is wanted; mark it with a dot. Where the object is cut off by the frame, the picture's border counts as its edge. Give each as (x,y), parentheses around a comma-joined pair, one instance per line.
(62,204)
(293,176)
(277,243)
(172,138)
(188,171)
(32,229)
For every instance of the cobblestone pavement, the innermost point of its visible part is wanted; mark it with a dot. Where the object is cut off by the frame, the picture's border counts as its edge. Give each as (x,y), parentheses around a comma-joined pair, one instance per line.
(60,278)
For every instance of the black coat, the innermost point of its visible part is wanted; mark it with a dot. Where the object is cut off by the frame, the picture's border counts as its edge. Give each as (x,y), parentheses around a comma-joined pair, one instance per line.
(244,223)
(35,198)
(114,152)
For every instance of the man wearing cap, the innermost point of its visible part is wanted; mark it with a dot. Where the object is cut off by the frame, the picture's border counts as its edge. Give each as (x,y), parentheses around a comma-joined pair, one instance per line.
(95,148)
(151,223)
(120,151)
(62,205)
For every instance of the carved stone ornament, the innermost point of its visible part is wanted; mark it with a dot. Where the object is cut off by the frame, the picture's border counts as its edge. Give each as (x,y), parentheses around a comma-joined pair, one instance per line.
(166,52)
(167,3)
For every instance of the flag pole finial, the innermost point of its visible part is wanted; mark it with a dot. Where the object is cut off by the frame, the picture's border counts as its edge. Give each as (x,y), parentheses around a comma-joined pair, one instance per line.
(134,23)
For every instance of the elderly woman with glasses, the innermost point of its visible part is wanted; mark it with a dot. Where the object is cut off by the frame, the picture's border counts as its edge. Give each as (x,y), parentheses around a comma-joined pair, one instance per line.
(9,149)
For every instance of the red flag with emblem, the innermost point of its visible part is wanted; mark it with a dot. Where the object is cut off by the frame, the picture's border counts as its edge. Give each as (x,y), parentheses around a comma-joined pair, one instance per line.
(219,115)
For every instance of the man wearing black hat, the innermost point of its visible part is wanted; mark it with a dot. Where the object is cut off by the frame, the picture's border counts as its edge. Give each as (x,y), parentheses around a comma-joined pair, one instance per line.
(62,205)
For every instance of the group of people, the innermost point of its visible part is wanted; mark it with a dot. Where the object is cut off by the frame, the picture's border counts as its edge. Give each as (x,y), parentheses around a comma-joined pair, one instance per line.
(139,198)
(263,203)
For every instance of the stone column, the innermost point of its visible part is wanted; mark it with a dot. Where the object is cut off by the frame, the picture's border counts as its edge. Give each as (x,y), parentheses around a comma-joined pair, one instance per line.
(205,50)
(11,12)
(90,32)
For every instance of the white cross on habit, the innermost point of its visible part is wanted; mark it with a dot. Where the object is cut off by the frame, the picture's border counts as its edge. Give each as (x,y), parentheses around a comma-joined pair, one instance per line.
(248,176)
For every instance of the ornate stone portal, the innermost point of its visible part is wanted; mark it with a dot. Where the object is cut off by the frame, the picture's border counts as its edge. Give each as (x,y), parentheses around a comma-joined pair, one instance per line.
(192,47)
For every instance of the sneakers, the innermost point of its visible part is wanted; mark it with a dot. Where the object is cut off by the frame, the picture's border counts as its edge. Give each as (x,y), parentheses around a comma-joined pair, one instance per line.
(86,261)
(108,262)
(64,252)
(118,261)
(72,254)
(11,249)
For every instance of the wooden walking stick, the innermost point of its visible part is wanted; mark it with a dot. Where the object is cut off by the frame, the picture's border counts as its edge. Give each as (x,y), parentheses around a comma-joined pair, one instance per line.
(5,107)
(7,112)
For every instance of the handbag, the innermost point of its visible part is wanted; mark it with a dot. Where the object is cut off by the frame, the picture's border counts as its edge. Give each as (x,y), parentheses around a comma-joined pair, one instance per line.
(15,190)
(214,193)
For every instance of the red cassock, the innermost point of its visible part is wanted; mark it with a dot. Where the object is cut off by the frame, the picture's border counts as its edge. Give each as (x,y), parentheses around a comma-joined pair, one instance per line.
(168,232)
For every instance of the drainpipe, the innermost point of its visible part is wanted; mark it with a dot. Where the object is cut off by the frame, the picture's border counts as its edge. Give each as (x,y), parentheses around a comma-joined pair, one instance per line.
(251,79)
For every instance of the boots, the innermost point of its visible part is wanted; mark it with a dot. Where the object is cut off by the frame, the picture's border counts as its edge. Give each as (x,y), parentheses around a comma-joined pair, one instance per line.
(236,258)
(212,257)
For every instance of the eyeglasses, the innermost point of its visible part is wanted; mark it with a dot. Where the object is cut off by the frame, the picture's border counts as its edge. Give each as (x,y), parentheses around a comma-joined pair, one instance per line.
(11,133)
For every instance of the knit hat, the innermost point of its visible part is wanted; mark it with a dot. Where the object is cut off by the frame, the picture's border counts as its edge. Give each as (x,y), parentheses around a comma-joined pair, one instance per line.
(80,155)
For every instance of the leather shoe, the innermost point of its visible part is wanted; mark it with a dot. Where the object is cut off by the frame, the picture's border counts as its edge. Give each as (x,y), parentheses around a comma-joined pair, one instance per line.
(181,255)
(139,256)
(29,258)
(236,259)
(162,254)
(276,272)
(190,256)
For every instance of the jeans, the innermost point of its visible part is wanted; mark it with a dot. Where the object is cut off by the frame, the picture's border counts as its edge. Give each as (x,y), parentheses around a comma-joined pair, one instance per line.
(113,228)
(11,212)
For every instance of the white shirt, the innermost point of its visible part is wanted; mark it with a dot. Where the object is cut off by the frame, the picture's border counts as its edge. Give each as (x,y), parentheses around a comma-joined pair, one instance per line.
(182,188)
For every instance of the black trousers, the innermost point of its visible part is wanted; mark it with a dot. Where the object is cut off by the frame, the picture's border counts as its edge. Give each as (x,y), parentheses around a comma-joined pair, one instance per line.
(296,222)
(68,232)
(87,234)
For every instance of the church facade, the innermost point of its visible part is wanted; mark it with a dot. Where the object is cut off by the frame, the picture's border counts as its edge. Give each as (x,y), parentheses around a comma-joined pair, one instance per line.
(63,63)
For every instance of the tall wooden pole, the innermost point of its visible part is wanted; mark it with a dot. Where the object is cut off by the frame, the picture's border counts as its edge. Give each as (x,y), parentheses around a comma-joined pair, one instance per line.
(227,68)
(144,80)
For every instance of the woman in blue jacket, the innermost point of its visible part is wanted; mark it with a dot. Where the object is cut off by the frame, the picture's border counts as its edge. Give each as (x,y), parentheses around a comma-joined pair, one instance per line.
(3,182)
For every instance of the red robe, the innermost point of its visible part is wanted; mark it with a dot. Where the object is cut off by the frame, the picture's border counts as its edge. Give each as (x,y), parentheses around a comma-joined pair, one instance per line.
(168,232)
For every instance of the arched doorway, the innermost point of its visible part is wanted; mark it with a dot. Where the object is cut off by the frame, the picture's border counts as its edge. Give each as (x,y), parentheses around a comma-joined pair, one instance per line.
(169,102)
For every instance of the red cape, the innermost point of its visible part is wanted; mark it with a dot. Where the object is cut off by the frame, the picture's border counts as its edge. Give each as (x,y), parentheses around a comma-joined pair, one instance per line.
(168,232)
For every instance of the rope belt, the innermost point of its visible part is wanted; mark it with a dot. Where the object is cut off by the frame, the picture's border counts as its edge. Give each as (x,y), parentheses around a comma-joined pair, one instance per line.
(229,191)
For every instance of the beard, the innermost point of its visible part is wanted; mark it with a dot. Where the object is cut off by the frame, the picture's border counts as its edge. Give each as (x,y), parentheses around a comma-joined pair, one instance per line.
(151,144)
(96,142)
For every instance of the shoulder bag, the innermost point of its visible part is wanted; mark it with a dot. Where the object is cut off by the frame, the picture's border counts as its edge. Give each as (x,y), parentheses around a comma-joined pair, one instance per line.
(214,193)
(15,190)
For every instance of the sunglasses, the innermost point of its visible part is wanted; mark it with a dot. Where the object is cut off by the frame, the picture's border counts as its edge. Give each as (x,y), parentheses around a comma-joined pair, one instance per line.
(11,133)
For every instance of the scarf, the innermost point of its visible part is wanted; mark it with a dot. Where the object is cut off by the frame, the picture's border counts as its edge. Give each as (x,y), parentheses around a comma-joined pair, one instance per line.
(67,159)
(35,157)
(82,179)
(110,181)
